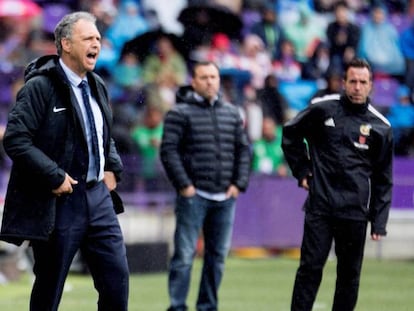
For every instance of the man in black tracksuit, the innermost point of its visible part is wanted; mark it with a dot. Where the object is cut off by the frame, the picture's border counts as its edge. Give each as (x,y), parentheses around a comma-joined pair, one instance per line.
(340,149)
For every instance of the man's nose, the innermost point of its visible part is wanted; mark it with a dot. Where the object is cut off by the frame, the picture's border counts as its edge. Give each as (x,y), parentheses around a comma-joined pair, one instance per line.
(96,43)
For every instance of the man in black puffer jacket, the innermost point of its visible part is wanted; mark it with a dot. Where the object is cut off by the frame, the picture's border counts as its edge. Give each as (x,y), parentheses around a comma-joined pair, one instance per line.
(205,153)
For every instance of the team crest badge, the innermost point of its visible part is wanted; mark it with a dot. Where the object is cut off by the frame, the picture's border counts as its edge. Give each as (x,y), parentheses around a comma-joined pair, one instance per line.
(364,130)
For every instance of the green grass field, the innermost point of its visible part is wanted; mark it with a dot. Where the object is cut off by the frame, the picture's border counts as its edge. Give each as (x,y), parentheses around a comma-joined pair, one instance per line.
(248,285)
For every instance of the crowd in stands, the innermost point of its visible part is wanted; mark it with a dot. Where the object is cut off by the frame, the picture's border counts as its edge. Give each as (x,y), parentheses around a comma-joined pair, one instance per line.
(286,52)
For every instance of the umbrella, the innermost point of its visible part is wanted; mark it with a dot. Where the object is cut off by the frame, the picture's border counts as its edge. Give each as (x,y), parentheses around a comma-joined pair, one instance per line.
(144,44)
(19,8)
(213,18)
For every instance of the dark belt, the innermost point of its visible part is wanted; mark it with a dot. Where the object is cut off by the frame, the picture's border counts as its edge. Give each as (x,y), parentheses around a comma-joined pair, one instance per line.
(91,184)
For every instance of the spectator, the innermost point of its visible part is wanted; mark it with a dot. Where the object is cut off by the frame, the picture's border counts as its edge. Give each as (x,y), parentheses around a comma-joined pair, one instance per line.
(324,6)
(273,104)
(255,59)
(13,45)
(125,115)
(333,84)
(126,77)
(118,26)
(220,51)
(205,152)
(252,113)
(163,72)
(161,96)
(105,12)
(407,48)
(401,117)
(166,66)
(147,137)
(305,33)
(318,64)
(269,30)
(342,36)
(379,44)
(128,24)
(286,67)
(229,90)
(268,155)
(199,33)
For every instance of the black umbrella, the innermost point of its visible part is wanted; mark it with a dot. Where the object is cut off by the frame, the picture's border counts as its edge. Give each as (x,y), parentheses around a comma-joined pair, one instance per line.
(144,44)
(212,18)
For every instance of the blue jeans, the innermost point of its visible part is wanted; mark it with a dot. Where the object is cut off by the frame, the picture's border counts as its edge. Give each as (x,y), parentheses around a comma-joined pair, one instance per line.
(216,221)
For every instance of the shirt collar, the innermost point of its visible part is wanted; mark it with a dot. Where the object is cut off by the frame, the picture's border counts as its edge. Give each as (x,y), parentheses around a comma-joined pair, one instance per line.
(201,99)
(73,78)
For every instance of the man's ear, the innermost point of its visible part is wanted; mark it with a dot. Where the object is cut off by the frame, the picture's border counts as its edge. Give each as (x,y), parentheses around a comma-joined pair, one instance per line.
(66,44)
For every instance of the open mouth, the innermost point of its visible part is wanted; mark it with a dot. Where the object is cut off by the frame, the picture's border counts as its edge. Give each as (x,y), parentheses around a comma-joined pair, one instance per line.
(92,56)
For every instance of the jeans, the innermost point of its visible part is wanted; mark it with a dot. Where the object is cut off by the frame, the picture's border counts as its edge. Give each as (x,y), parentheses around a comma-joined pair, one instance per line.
(215,219)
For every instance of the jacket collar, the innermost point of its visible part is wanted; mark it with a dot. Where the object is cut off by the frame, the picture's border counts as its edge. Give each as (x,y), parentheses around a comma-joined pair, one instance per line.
(354,108)
(201,99)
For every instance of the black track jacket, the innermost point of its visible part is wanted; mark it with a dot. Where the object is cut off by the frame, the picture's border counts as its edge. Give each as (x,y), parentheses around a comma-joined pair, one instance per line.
(348,150)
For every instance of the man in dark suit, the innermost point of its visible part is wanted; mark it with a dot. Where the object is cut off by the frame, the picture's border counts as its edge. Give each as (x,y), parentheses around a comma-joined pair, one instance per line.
(61,195)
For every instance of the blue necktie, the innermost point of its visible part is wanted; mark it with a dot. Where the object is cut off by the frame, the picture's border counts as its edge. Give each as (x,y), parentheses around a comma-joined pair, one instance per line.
(95,148)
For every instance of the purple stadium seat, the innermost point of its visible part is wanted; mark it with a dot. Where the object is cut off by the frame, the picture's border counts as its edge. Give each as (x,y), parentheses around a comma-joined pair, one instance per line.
(384,93)
(52,13)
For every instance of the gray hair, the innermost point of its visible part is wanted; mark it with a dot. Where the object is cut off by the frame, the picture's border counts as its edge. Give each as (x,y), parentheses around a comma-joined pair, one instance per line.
(65,27)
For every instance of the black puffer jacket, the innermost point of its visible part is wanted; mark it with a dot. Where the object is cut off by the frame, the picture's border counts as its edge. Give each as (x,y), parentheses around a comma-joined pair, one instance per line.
(43,128)
(205,145)
(349,154)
